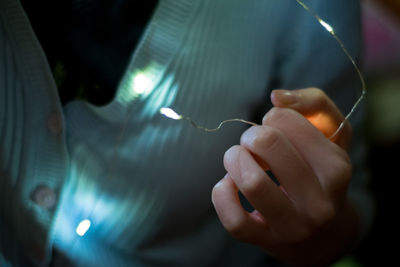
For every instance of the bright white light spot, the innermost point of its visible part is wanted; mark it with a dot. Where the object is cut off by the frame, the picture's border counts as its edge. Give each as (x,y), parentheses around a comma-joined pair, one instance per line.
(170,114)
(326,26)
(142,83)
(83,227)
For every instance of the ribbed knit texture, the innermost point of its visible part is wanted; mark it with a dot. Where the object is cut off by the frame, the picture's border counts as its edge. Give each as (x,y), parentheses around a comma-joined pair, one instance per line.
(28,97)
(144,181)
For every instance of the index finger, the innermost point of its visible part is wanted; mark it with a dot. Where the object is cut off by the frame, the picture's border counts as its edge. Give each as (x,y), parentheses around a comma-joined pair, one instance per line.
(319,109)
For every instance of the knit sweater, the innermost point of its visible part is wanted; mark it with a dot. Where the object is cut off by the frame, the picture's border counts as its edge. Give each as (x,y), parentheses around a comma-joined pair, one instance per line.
(144,181)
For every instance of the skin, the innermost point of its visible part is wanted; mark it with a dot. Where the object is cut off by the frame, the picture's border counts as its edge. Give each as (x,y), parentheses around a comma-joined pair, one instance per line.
(308,219)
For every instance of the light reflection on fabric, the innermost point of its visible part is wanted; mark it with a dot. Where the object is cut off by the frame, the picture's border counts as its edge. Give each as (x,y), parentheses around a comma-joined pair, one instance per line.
(139,83)
(122,221)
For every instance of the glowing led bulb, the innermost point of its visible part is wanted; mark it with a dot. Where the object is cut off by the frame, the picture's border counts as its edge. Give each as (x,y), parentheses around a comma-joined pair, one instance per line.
(326,26)
(167,112)
(83,227)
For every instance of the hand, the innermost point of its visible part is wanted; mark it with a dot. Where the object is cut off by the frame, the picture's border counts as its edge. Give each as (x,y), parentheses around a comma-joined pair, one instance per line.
(307,219)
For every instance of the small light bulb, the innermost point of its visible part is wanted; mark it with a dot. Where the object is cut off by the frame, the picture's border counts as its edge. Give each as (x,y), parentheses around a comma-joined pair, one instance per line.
(326,26)
(83,227)
(167,112)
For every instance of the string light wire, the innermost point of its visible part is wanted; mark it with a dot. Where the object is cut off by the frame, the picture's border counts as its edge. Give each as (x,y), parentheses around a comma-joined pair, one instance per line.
(220,124)
(329,29)
(168,112)
(353,62)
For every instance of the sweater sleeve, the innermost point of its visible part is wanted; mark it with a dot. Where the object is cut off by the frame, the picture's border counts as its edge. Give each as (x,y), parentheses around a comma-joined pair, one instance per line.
(29,137)
(313,58)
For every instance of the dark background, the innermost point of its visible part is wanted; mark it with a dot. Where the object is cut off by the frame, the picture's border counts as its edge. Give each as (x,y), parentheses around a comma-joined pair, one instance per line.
(381,66)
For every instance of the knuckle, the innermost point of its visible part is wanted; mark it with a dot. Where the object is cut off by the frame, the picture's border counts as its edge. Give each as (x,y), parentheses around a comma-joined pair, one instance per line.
(320,98)
(275,115)
(320,215)
(231,154)
(252,184)
(266,137)
(232,150)
(340,171)
(217,191)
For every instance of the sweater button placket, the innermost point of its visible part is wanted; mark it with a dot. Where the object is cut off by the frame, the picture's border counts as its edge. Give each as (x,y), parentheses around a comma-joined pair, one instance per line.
(44,196)
(54,123)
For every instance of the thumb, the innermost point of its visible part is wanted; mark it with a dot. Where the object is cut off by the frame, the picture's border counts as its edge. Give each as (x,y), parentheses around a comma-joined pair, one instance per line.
(318,108)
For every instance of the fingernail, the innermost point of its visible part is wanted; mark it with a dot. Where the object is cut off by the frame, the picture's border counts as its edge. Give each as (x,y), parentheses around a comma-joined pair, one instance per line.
(284,97)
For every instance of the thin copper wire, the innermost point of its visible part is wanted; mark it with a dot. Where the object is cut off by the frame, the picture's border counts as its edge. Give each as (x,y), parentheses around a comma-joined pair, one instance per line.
(318,18)
(353,62)
(220,124)
(347,53)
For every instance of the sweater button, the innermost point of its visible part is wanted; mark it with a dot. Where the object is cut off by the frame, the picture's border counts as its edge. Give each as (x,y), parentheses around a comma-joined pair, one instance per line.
(44,197)
(54,123)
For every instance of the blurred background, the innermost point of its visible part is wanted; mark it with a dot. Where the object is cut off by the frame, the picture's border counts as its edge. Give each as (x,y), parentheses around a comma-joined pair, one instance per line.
(381,66)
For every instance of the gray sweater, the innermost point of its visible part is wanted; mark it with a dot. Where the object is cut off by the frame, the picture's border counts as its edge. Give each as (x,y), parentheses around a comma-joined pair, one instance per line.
(142,180)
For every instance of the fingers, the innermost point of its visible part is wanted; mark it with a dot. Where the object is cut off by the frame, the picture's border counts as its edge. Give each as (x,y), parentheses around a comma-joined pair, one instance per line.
(254,183)
(310,168)
(318,108)
(329,162)
(241,224)
(287,164)
(266,197)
